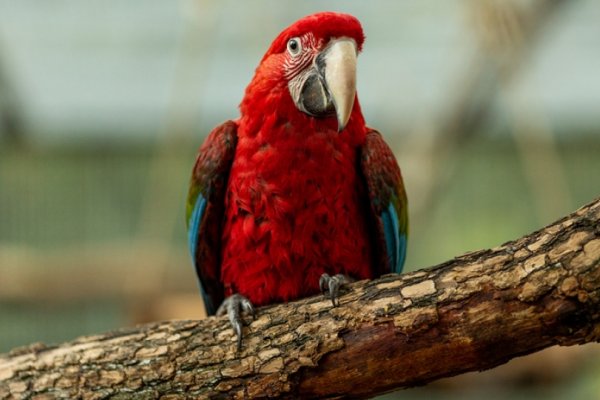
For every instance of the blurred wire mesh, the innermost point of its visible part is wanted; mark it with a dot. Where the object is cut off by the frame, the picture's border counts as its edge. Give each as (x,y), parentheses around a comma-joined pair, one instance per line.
(490,105)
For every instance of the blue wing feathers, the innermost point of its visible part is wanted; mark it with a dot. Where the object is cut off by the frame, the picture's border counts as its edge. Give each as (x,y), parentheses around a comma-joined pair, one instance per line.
(395,241)
(194,226)
(390,230)
(193,232)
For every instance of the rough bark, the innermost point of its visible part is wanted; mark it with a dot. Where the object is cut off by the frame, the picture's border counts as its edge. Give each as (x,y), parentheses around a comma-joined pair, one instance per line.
(474,312)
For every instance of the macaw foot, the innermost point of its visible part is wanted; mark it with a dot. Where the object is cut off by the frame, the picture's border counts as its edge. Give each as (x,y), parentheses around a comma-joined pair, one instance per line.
(236,305)
(332,284)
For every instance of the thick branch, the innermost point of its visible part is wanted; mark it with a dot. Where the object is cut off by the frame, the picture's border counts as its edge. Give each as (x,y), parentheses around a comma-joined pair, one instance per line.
(471,313)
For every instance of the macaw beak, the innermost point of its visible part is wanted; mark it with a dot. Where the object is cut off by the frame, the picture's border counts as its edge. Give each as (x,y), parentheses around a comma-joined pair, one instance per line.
(329,86)
(340,77)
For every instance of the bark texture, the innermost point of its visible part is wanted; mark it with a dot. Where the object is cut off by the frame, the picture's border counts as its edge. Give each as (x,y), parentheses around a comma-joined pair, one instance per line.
(471,313)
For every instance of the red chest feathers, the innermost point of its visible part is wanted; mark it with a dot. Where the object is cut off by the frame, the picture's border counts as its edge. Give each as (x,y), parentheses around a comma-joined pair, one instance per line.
(295,208)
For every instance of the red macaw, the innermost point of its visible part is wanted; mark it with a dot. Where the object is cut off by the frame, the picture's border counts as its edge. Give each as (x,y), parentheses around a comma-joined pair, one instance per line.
(297,195)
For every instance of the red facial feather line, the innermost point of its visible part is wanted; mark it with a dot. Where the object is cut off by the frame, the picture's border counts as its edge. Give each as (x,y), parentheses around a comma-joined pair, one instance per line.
(293,65)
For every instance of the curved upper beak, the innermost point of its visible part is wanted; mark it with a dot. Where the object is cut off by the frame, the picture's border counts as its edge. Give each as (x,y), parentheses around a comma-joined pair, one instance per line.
(337,65)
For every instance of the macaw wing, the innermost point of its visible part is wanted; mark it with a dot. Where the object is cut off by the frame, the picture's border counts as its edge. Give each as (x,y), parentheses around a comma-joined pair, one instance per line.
(205,209)
(389,206)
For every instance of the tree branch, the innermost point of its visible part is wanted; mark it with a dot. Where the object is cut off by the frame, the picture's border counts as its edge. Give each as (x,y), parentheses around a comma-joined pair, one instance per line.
(474,312)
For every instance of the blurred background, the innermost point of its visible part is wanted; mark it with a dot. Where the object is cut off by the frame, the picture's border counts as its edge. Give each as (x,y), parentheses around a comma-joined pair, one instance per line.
(490,105)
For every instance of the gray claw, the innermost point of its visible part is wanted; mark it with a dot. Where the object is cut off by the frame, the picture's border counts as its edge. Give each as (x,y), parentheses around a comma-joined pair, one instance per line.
(332,285)
(247,307)
(323,282)
(234,306)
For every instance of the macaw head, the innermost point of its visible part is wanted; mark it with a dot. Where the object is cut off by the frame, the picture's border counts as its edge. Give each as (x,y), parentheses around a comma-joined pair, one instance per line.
(312,66)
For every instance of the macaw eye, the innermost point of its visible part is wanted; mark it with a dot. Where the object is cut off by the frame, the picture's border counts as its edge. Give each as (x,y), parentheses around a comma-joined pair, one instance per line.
(294,47)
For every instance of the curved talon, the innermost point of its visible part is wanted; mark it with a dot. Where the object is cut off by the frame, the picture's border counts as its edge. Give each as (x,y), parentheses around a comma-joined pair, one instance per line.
(234,306)
(323,282)
(332,285)
(247,307)
(237,328)
(334,291)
